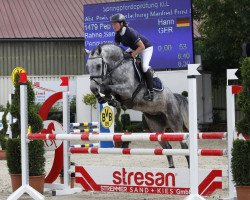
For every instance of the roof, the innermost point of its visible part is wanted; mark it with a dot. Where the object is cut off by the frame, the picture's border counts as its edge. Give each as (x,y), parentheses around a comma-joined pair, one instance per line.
(43,19)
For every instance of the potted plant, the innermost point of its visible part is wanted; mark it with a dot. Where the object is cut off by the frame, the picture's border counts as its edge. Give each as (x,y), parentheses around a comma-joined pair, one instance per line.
(3,132)
(3,141)
(243,126)
(36,148)
(241,148)
(241,168)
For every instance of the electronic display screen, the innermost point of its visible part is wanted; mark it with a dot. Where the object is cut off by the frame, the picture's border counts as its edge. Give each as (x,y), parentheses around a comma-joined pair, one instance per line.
(167,25)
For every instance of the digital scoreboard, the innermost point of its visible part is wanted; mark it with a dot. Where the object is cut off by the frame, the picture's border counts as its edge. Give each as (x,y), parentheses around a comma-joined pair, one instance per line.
(167,24)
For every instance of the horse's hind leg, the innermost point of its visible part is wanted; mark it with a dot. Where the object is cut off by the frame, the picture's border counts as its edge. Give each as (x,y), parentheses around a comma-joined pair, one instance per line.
(176,124)
(157,123)
(185,146)
(166,145)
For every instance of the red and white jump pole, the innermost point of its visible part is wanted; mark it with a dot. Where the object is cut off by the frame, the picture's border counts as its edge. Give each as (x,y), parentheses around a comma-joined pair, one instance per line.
(157,152)
(128,151)
(110,137)
(117,137)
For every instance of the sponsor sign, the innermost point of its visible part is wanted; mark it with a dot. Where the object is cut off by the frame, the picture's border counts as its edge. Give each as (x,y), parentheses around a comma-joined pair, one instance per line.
(107,116)
(44,89)
(106,120)
(146,180)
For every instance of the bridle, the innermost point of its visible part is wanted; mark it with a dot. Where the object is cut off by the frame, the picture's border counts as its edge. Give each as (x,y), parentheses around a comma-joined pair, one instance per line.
(104,70)
(106,73)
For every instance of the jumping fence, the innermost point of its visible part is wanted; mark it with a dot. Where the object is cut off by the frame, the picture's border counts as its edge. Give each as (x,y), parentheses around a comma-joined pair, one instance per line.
(192,137)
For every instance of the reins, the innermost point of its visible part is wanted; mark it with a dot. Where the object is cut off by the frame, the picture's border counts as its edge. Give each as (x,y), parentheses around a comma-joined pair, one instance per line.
(107,74)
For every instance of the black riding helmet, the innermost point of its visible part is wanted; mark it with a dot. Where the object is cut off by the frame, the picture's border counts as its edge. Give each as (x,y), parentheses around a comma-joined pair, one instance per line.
(119,18)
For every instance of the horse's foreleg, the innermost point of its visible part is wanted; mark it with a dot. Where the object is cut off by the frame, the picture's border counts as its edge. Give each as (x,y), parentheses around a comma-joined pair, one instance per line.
(104,89)
(100,99)
(114,103)
(94,90)
(121,89)
(107,90)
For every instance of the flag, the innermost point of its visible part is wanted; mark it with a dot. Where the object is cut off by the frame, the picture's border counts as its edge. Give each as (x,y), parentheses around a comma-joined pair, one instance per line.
(182,22)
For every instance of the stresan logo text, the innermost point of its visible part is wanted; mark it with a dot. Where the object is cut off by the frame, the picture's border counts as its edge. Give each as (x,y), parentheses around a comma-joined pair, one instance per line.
(139,178)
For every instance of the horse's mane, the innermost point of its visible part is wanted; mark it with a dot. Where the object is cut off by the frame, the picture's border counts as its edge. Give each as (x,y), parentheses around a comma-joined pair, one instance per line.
(99,47)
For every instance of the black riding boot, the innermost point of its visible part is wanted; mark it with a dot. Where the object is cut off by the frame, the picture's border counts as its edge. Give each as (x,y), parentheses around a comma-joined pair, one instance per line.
(149,96)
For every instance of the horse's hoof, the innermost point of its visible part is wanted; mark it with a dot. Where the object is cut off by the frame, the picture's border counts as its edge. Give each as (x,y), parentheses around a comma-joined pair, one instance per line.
(102,101)
(112,103)
(171,167)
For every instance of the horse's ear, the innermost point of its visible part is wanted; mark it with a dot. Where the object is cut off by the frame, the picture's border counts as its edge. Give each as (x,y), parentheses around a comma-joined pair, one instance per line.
(87,51)
(99,50)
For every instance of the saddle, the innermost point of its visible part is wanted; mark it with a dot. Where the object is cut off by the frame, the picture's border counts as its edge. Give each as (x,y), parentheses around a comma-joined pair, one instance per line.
(139,75)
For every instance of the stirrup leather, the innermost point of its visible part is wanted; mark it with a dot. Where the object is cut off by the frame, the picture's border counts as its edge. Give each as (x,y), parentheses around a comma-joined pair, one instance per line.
(149,96)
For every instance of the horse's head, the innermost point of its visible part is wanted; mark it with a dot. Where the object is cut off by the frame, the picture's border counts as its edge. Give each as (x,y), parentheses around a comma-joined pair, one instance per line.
(101,61)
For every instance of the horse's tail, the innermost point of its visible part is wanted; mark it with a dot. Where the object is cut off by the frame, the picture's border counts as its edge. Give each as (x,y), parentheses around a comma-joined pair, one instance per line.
(183,105)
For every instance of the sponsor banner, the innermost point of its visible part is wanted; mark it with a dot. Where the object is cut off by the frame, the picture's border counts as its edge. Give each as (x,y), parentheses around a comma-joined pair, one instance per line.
(144,189)
(44,89)
(145,180)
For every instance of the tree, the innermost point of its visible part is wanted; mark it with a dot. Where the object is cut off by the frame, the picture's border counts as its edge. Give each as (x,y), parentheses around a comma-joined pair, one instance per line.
(225,26)
(36,147)
(90,100)
(34,120)
(243,126)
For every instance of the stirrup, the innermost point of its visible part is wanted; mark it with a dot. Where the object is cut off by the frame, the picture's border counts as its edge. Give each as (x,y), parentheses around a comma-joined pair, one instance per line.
(149,96)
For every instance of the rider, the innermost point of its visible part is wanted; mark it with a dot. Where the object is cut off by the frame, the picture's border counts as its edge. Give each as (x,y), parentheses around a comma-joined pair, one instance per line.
(138,45)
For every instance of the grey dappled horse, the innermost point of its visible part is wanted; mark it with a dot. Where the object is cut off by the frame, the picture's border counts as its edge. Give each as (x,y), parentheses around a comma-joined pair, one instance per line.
(112,73)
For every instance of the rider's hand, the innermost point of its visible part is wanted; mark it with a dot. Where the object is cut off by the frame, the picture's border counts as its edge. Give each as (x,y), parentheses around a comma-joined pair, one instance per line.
(133,54)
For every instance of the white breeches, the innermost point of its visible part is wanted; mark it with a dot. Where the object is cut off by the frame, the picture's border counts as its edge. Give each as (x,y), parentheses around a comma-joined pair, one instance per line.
(146,56)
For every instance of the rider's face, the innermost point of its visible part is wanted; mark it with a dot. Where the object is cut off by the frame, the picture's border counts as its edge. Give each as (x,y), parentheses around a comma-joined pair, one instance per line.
(117,26)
